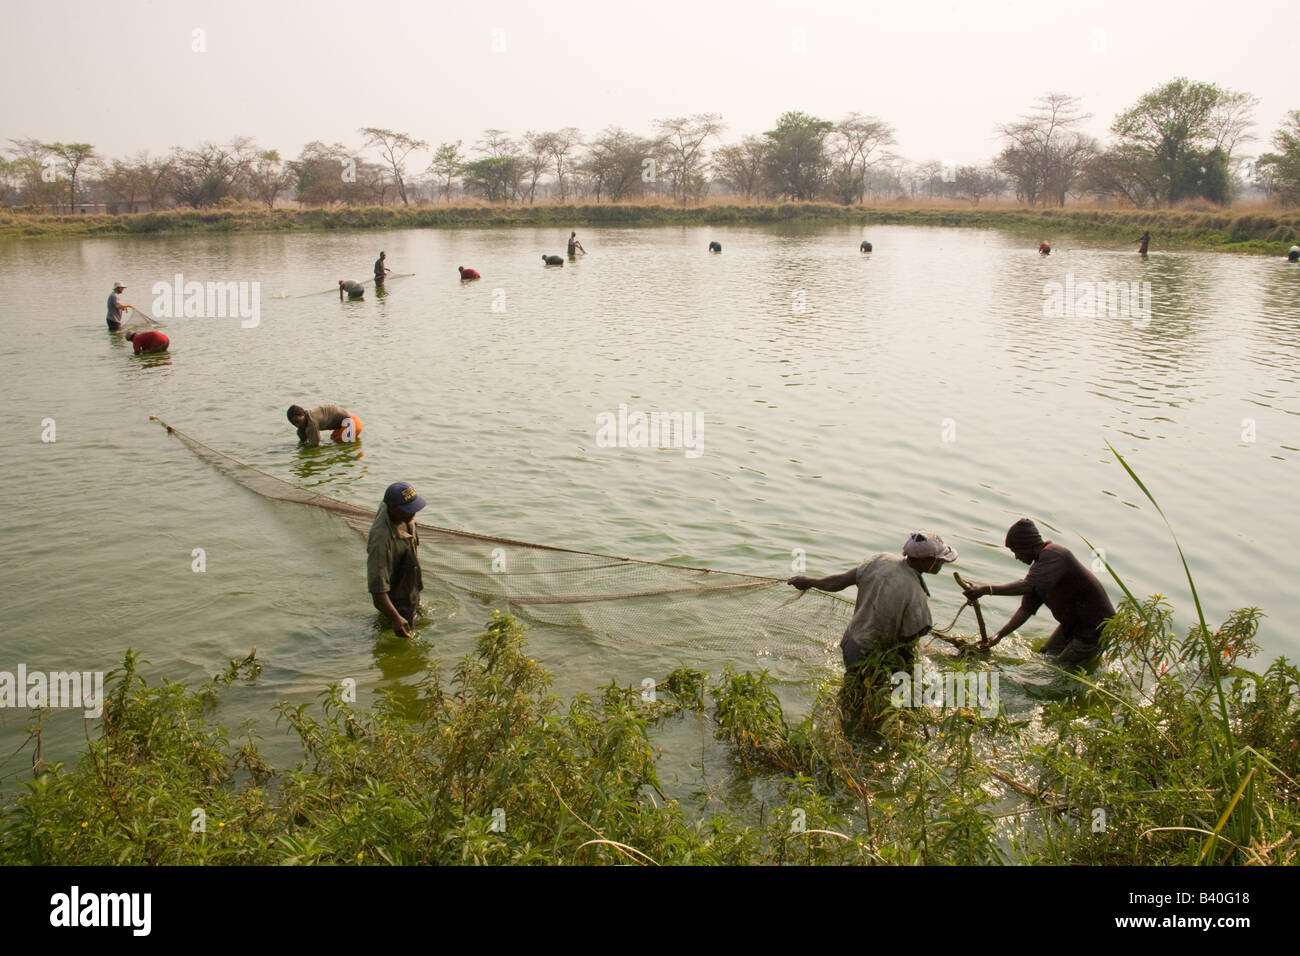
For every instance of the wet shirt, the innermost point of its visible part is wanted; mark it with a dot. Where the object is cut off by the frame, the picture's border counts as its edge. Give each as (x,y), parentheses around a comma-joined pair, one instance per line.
(380,268)
(354,289)
(893,605)
(150,342)
(1071,592)
(323,419)
(393,563)
(573,246)
(114,308)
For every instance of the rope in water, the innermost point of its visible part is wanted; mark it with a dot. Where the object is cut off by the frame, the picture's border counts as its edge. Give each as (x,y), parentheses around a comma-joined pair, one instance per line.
(395,275)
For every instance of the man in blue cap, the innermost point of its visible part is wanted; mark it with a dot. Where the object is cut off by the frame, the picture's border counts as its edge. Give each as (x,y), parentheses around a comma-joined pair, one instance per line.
(393,560)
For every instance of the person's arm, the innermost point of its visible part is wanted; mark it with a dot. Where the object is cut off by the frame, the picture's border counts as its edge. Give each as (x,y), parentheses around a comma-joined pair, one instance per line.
(384,604)
(1020,617)
(1014,589)
(309,434)
(834,582)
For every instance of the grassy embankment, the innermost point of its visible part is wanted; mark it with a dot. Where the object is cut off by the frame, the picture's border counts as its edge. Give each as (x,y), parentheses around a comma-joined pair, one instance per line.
(1173,753)
(1251,229)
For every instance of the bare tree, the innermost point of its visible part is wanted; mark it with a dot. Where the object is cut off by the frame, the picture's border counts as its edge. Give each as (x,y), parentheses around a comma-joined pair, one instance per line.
(269,177)
(856,143)
(209,173)
(740,166)
(684,138)
(1046,155)
(497,143)
(537,159)
(976,182)
(618,164)
(562,146)
(394,147)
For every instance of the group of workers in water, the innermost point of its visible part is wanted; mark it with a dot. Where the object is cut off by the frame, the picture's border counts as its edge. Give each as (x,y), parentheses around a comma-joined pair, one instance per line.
(891,611)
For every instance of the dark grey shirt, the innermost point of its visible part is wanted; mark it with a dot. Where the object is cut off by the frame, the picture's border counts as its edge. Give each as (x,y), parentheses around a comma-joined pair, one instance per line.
(1071,592)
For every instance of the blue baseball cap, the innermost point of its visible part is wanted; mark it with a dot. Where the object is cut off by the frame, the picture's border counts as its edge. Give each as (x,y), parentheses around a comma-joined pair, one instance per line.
(401,495)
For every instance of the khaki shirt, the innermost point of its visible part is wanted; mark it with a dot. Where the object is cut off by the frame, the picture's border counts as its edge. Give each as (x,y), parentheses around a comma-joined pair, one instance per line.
(893,605)
(323,419)
(393,563)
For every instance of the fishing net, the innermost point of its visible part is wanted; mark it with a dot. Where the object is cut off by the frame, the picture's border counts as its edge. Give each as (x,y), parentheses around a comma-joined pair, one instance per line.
(623,598)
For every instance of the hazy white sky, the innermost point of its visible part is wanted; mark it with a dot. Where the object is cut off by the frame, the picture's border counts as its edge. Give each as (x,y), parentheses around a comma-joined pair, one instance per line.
(123,74)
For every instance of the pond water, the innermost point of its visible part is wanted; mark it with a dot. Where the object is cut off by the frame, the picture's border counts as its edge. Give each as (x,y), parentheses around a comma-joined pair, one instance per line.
(846,400)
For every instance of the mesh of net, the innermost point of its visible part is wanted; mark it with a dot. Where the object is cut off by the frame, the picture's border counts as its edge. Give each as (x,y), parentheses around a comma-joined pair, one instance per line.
(625,598)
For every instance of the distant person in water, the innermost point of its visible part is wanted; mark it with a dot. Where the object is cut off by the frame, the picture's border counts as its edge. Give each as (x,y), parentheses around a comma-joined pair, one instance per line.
(116,307)
(1293,254)
(393,573)
(148,341)
(342,425)
(715,247)
(1145,239)
(575,246)
(355,290)
(1056,578)
(866,246)
(1044,249)
(467,274)
(552,260)
(381,270)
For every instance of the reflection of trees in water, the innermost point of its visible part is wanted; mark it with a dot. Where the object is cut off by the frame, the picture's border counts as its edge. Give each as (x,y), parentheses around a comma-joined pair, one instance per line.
(1157,358)
(1276,318)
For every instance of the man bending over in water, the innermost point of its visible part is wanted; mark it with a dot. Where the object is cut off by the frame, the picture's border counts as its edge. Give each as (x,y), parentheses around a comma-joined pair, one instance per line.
(1056,578)
(342,424)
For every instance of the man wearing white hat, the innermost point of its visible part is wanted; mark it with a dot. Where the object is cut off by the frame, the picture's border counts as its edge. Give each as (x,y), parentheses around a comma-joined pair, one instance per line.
(893,607)
(116,307)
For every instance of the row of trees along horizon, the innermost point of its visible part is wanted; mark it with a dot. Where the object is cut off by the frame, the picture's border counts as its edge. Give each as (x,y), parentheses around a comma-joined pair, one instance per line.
(1179,141)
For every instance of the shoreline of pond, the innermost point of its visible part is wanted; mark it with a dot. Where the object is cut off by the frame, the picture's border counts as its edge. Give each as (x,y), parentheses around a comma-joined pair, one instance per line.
(1252,233)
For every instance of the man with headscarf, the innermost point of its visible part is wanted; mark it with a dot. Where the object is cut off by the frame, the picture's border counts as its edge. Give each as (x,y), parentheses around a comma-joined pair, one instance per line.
(892,608)
(1056,578)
